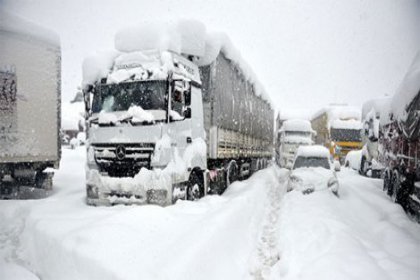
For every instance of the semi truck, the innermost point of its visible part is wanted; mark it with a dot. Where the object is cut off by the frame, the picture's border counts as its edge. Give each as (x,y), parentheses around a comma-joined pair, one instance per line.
(164,125)
(292,134)
(338,128)
(30,90)
(399,142)
(371,115)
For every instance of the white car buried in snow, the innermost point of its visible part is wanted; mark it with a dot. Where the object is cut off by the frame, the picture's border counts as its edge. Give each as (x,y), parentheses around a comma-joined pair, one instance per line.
(312,171)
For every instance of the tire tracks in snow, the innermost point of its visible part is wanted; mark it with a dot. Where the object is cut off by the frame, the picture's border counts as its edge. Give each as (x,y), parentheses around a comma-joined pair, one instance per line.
(267,252)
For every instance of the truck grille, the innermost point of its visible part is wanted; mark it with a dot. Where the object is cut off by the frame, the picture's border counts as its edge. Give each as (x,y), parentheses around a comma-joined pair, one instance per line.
(122,160)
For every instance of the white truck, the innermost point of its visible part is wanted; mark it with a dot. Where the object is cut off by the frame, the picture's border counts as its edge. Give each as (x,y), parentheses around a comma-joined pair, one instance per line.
(292,134)
(30,90)
(371,115)
(164,124)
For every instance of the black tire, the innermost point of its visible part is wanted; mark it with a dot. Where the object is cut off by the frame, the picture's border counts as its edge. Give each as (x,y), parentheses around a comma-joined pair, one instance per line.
(395,187)
(194,193)
(362,170)
(232,173)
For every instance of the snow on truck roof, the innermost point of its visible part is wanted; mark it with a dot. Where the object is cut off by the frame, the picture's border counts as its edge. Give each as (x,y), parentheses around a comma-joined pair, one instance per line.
(12,23)
(339,112)
(313,151)
(407,90)
(297,125)
(184,37)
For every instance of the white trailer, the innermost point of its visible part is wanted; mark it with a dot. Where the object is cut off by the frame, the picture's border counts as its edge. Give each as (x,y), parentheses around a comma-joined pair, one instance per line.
(167,124)
(29,107)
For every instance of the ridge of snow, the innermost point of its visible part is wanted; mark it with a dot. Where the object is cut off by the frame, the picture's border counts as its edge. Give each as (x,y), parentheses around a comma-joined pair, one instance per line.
(13,23)
(408,89)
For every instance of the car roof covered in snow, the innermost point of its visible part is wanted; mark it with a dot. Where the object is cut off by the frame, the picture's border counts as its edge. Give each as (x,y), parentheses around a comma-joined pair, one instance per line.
(313,151)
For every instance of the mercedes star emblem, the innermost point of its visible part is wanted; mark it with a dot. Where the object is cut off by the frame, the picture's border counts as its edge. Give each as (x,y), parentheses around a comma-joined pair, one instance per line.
(120,152)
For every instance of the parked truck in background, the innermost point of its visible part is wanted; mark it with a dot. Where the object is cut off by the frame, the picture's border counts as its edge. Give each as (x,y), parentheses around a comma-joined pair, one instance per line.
(30,90)
(371,115)
(338,128)
(166,124)
(292,134)
(400,143)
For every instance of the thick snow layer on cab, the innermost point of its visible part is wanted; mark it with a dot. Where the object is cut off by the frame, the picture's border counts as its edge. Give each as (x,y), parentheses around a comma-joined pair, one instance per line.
(297,125)
(346,124)
(188,37)
(408,89)
(313,151)
(97,66)
(15,24)
(183,36)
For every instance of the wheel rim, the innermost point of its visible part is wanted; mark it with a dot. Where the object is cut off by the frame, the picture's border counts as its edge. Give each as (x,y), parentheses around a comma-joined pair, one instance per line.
(232,173)
(195,187)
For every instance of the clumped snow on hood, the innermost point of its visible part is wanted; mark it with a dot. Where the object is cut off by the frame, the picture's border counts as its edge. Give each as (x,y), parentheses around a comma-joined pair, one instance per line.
(315,178)
(138,115)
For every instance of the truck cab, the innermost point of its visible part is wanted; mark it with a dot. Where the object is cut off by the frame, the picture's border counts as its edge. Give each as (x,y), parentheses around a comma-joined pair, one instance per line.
(145,128)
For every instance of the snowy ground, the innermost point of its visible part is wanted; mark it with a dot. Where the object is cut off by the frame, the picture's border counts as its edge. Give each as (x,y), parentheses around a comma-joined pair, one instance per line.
(253,231)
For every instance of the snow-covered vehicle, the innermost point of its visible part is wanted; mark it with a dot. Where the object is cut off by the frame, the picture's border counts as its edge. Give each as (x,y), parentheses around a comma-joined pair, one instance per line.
(371,114)
(399,143)
(338,128)
(312,171)
(179,121)
(292,134)
(30,76)
(353,159)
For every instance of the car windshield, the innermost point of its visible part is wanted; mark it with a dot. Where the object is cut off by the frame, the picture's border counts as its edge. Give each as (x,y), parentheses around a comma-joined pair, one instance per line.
(149,95)
(311,162)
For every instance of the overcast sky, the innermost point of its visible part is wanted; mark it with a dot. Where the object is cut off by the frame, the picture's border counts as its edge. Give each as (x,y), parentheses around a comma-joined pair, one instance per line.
(306,53)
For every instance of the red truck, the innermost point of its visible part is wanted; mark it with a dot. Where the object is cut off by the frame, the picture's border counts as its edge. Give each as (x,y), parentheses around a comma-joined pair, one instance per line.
(399,140)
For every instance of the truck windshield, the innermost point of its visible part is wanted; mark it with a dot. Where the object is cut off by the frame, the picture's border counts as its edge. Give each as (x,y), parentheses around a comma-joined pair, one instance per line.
(345,135)
(311,162)
(149,95)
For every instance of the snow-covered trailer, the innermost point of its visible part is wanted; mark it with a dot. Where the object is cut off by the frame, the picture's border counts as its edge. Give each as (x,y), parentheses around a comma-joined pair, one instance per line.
(238,123)
(400,143)
(371,113)
(30,71)
(172,121)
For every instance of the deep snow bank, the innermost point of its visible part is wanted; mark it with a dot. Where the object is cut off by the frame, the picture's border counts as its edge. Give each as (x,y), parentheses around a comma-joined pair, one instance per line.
(361,235)
(63,238)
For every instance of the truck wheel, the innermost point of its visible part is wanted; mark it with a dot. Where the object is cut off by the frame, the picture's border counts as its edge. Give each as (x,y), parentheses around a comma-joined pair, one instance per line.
(387,180)
(232,172)
(396,186)
(362,170)
(195,188)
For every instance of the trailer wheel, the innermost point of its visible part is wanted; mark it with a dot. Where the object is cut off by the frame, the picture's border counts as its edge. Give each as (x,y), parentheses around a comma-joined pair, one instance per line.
(195,187)
(387,180)
(232,172)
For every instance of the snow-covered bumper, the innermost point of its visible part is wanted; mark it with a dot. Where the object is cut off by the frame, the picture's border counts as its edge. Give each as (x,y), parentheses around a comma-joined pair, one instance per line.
(147,187)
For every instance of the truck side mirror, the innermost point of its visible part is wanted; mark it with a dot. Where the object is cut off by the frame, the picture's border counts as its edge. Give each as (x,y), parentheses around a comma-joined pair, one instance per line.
(187,113)
(86,96)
